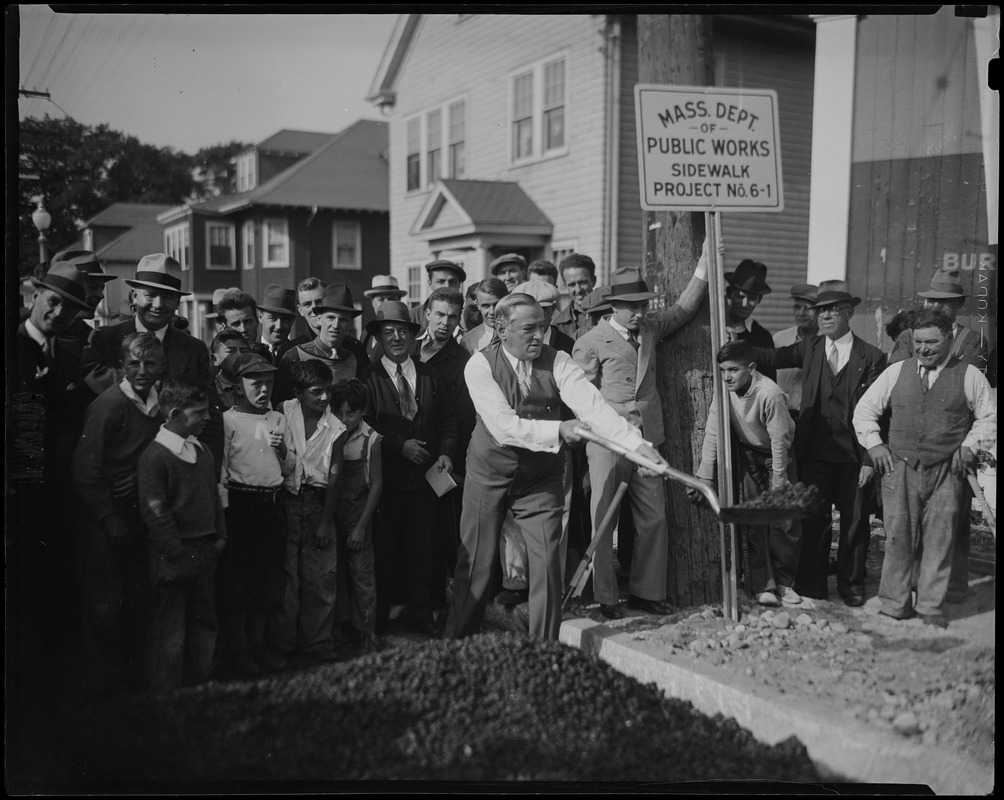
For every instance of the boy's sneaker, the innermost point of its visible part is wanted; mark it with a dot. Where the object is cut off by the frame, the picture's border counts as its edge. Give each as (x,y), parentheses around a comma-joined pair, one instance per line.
(789,596)
(768,599)
(245,664)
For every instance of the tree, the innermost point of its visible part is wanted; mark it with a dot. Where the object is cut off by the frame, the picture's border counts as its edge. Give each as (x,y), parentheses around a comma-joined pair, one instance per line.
(80,170)
(216,170)
(676,49)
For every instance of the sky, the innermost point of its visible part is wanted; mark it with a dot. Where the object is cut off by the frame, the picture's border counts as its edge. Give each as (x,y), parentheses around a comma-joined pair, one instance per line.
(189,81)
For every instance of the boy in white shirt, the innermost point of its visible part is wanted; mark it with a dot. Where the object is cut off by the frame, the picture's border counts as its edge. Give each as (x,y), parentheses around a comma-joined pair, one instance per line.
(759,418)
(308,611)
(258,453)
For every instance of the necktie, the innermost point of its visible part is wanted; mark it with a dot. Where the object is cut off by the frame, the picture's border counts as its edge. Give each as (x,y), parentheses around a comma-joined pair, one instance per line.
(47,349)
(408,405)
(926,377)
(633,340)
(833,360)
(523,376)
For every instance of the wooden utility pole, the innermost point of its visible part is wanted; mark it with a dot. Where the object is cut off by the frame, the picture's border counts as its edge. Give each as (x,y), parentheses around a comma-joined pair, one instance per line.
(676,49)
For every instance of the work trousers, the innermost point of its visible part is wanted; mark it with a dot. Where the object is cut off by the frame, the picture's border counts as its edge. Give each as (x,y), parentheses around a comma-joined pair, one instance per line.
(533,491)
(920,511)
(512,547)
(773,548)
(357,593)
(115,602)
(183,626)
(305,619)
(650,552)
(838,484)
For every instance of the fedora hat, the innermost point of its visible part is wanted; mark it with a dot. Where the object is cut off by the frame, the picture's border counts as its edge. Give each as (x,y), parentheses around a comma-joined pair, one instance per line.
(508,258)
(67,281)
(546,294)
(831,292)
(391,311)
(87,262)
(945,285)
(804,291)
(386,285)
(627,285)
(337,297)
(597,301)
(749,276)
(278,300)
(158,271)
(442,263)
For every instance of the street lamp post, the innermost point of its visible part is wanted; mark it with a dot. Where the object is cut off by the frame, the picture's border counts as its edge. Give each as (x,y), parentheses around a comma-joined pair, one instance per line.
(41,220)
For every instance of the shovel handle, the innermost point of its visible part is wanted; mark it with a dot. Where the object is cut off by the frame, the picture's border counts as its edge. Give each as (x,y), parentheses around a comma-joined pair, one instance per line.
(665,471)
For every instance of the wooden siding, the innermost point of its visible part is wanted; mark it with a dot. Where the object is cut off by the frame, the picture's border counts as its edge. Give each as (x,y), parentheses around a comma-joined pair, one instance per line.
(918,191)
(781,240)
(473,59)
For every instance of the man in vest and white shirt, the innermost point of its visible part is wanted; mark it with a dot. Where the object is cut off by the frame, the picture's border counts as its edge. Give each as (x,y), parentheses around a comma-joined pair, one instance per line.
(943,414)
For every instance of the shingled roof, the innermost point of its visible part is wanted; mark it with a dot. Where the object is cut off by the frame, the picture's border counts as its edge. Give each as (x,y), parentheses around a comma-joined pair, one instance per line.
(495,202)
(292,142)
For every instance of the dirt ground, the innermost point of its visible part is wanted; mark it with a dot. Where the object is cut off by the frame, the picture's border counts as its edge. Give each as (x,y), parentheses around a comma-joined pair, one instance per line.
(934,685)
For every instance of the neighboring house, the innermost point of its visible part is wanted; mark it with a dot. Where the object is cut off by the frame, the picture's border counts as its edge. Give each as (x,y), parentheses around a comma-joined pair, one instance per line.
(120,236)
(311,204)
(516,133)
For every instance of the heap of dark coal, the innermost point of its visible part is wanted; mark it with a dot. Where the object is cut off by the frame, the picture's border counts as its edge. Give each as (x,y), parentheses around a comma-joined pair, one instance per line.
(495,707)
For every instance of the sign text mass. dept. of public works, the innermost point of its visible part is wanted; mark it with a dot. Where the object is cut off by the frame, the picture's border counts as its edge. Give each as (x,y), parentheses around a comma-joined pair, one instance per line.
(708,149)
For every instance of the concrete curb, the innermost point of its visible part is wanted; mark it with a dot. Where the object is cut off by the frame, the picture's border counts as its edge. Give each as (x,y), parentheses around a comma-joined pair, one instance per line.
(842,749)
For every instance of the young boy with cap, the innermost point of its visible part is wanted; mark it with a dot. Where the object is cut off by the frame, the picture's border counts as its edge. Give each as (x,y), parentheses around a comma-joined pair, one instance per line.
(308,611)
(258,454)
(187,531)
(118,426)
(759,418)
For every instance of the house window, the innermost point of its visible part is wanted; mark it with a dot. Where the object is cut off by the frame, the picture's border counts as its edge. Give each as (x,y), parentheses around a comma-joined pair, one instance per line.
(220,246)
(275,236)
(414,167)
(177,243)
(522,116)
(539,106)
(434,137)
(246,172)
(458,127)
(415,285)
(346,246)
(554,105)
(250,245)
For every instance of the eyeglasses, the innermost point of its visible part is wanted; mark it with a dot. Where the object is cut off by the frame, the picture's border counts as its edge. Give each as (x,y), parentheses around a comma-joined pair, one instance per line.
(827,311)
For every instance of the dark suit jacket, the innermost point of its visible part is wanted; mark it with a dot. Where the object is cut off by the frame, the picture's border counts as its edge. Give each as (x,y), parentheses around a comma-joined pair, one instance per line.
(435,423)
(759,336)
(448,363)
(183,355)
(863,367)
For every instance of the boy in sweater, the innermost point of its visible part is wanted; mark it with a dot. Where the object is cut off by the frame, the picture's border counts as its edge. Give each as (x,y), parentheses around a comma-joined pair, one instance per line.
(187,532)
(118,426)
(759,418)
(258,453)
(307,617)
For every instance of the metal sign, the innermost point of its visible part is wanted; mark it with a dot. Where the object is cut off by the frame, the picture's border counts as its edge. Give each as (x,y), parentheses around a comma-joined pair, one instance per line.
(702,148)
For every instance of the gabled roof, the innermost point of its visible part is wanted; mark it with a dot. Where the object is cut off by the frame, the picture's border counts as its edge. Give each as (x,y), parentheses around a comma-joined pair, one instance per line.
(289,142)
(348,172)
(144,234)
(126,215)
(457,207)
(382,89)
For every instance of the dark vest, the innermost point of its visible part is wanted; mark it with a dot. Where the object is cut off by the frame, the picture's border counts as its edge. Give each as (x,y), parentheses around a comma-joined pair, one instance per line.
(542,403)
(927,427)
(831,437)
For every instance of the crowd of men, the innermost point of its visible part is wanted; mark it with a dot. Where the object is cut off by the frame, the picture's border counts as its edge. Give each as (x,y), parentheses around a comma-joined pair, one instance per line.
(255,496)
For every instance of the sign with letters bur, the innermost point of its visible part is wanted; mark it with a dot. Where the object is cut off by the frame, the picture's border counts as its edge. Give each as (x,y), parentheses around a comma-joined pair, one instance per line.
(703,148)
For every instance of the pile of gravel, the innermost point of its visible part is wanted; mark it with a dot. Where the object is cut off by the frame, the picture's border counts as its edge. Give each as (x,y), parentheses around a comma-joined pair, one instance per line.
(488,708)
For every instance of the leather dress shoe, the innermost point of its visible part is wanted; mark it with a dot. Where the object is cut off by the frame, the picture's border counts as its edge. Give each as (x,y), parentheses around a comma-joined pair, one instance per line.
(611,611)
(656,607)
(854,599)
(937,620)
